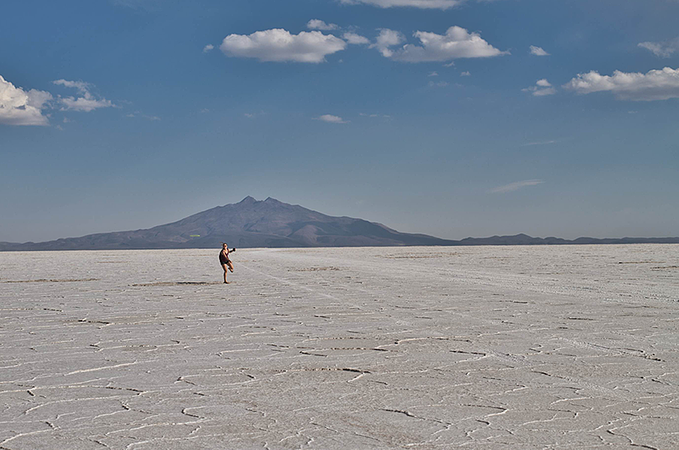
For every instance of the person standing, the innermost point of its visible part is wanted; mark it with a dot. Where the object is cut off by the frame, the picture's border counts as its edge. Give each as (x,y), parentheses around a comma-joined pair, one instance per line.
(225,261)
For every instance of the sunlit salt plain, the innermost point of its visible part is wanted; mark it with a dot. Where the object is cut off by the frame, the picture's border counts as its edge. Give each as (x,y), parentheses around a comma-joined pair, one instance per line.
(563,347)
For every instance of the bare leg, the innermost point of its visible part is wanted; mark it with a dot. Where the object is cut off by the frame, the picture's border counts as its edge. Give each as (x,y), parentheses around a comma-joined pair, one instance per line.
(230,264)
(224,267)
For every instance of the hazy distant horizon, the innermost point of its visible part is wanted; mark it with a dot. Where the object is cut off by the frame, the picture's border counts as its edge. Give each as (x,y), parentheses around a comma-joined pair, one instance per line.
(340,215)
(452,118)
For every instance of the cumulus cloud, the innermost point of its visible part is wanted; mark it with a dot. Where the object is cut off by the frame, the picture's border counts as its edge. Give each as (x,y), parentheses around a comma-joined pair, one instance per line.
(511,187)
(538,51)
(331,119)
(19,107)
(355,39)
(541,88)
(208,47)
(279,45)
(86,102)
(653,85)
(456,43)
(424,4)
(387,38)
(316,24)
(661,49)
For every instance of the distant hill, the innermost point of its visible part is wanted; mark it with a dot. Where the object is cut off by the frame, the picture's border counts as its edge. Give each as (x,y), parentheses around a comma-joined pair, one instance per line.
(249,223)
(271,223)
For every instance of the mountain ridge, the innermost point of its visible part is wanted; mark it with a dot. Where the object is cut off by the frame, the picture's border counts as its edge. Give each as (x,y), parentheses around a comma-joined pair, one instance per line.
(272,223)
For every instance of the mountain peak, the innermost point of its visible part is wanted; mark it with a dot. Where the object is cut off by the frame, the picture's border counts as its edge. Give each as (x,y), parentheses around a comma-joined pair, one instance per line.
(271,200)
(248,199)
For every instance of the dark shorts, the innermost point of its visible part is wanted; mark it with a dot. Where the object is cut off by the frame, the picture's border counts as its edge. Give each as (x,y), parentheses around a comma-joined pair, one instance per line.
(224,261)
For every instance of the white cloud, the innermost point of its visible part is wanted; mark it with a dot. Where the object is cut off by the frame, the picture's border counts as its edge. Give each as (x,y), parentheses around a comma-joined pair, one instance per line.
(208,47)
(541,88)
(434,74)
(439,84)
(653,85)
(355,39)
(466,74)
(456,43)
(511,187)
(279,45)
(86,103)
(538,51)
(331,119)
(315,24)
(662,49)
(424,4)
(387,38)
(18,107)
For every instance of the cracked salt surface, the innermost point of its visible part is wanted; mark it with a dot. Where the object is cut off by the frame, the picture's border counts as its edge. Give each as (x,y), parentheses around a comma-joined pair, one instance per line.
(431,348)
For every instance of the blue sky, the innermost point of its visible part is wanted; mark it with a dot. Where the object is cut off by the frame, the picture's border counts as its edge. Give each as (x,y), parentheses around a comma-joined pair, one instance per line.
(448,117)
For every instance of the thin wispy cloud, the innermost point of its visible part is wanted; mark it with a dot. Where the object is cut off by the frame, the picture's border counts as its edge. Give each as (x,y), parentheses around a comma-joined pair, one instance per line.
(143,116)
(663,49)
(384,116)
(208,48)
(87,102)
(355,39)
(316,24)
(255,115)
(538,51)
(422,4)
(329,118)
(511,187)
(530,144)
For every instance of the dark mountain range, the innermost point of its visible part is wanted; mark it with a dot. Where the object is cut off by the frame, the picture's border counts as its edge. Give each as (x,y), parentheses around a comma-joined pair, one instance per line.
(270,223)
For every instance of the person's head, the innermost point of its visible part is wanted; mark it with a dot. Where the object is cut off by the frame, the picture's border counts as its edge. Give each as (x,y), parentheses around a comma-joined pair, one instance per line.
(224,245)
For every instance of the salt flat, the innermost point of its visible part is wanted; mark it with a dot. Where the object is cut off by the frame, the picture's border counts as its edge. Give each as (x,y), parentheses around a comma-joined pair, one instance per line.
(567,347)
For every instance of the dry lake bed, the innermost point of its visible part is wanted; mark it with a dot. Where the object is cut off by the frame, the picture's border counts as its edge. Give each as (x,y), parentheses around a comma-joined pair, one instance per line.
(556,347)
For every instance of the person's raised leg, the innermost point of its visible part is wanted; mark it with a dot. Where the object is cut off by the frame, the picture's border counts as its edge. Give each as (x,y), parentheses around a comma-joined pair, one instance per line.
(224,267)
(230,264)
